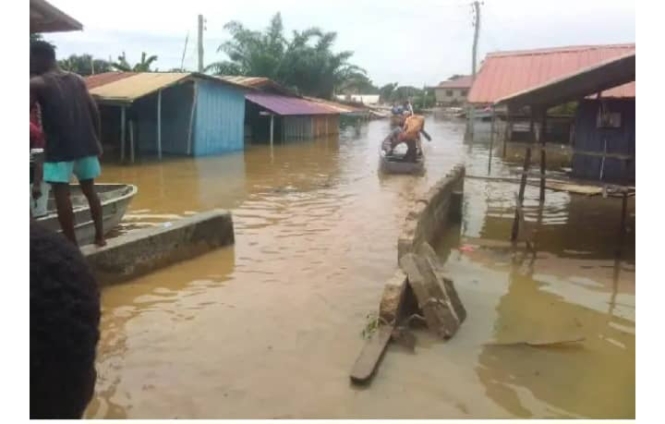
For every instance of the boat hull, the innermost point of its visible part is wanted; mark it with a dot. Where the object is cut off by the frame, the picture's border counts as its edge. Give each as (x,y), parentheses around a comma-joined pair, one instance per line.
(115,199)
(396,165)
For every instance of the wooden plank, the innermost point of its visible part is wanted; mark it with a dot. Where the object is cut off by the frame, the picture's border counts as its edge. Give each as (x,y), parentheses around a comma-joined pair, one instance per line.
(439,314)
(437,290)
(370,357)
(427,252)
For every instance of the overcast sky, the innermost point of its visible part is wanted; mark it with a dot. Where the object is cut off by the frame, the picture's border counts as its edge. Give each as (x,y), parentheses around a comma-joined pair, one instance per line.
(413,42)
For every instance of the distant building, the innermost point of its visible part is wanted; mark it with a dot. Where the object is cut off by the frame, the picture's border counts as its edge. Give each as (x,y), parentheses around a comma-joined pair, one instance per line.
(167,113)
(453,92)
(365,99)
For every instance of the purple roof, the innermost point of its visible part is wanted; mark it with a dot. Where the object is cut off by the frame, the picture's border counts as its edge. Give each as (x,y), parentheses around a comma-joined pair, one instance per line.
(282,105)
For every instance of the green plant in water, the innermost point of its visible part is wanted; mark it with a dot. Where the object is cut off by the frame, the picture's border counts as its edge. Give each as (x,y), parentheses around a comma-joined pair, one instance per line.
(371,326)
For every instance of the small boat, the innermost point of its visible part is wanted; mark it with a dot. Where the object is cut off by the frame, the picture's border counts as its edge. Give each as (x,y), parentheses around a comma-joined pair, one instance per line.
(115,199)
(396,164)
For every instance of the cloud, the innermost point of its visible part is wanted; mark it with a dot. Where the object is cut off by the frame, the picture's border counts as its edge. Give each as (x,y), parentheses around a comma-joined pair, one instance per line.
(416,42)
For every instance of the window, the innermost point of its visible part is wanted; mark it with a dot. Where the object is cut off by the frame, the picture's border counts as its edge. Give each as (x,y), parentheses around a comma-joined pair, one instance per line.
(607,119)
(463,93)
(449,93)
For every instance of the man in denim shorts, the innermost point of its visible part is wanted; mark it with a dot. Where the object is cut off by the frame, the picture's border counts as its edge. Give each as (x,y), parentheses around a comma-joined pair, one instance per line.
(70,121)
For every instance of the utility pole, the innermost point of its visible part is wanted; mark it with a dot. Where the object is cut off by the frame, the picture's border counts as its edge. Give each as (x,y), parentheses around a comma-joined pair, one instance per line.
(474,55)
(200,43)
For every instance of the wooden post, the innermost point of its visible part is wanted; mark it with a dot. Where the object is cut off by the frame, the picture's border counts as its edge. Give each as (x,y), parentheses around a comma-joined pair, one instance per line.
(507,134)
(190,133)
(272,128)
(489,162)
(525,170)
(542,131)
(123,113)
(159,124)
(131,140)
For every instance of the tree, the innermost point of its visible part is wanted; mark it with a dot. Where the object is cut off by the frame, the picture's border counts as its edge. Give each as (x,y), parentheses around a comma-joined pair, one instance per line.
(84,64)
(387,91)
(143,66)
(305,62)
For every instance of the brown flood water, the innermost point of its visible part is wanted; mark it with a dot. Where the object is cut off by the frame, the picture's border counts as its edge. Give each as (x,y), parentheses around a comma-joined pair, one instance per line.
(271,327)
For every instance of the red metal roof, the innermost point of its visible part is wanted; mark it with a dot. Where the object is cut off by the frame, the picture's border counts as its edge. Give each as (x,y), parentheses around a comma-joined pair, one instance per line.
(505,73)
(462,82)
(98,80)
(282,105)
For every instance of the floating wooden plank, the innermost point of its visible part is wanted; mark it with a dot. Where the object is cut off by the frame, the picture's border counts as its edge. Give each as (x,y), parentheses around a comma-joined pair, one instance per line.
(427,252)
(539,343)
(371,355)
(439,313)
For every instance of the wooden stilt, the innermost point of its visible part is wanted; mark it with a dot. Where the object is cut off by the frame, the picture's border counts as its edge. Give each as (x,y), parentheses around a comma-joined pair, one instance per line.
(541,135)
(159,124)
(131,140)
(489,162)
(525,169)
(123,120)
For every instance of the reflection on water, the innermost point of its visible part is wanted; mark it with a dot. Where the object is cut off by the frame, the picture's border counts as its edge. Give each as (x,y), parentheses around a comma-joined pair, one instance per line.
(270,327)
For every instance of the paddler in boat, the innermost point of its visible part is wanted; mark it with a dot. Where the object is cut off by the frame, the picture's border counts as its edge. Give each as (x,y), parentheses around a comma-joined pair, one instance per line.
(414,125)
(71,125)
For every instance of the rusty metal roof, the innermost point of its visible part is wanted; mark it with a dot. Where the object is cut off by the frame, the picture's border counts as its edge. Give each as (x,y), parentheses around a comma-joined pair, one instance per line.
(505,73)
(282,105)
(333,106)
(246,81)
(462,82)
(126,87)
(44,17)
(587,82)
(97,80)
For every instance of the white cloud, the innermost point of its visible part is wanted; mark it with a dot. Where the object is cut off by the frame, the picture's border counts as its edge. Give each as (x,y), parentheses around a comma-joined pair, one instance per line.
(416,42)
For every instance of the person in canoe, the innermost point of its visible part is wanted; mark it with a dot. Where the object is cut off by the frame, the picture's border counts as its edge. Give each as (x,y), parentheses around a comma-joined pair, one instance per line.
(71,125)
(409,134)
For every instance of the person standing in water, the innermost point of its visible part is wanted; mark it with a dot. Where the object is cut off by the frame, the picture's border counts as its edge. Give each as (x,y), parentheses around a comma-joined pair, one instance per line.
(70,121)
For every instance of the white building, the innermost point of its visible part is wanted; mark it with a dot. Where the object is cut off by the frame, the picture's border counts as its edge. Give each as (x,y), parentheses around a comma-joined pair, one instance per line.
(453,92)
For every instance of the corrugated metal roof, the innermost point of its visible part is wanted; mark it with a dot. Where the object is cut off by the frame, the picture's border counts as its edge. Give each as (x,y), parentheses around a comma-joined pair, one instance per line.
(44,17)
(282,105)
(125,87)
(246,81)
(126,90)
(334,106)
(97,80)
(462,82)
(505,73)
(586,82)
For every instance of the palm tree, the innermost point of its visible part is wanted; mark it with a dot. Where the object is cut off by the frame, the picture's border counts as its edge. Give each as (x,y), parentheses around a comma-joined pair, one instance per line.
(143,66)
(306,62)
(84,65)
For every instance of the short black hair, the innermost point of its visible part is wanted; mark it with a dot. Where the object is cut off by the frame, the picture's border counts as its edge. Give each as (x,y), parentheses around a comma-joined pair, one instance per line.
(43,49)
(64,326)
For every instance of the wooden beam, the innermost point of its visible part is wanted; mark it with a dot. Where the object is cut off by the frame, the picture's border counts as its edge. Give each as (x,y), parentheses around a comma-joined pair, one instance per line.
(131,140)
(272,128)
(542,130)
(159,124)
(192,115)
(123,120)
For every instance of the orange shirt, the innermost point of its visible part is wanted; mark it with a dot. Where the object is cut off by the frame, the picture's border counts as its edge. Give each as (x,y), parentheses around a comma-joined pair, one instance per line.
(412,127)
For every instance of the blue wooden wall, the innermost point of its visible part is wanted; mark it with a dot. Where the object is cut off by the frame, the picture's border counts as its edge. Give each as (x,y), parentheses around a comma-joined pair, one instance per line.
(589,138)
(219,121)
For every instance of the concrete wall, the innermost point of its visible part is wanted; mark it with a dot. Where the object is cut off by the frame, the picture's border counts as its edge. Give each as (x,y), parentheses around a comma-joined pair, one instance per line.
(428,218)
(447,96)
(141,252)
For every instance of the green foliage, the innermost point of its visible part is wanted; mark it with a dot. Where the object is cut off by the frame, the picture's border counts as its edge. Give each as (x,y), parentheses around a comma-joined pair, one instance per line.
(84,65)
(304,62)
(143,66)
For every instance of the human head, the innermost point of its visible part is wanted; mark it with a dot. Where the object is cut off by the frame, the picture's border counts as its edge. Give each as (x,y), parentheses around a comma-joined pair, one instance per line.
(42,57)
(64,327)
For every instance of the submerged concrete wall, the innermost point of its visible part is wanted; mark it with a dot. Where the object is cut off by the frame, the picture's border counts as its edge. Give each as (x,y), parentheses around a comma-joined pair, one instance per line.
(138,253)
(426,222)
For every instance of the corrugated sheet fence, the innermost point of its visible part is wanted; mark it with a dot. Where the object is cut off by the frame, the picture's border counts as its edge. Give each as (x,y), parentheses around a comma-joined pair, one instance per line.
(615,141)
(219,122)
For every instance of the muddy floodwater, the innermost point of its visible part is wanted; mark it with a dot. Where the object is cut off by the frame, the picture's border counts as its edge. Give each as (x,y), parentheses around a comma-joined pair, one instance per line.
(270,327)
